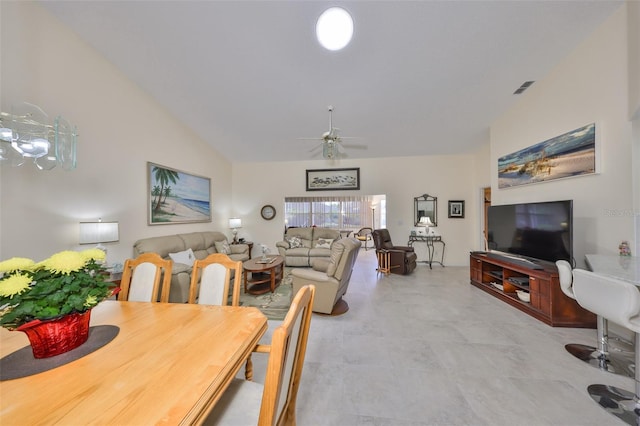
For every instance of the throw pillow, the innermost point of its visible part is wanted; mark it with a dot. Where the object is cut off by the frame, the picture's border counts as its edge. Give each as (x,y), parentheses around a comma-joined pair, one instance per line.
(324,243)
(294,242)
(186,257)
(223,247)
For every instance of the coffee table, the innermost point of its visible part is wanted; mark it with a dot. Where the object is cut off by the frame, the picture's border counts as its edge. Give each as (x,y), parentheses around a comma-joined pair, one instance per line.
(264,276)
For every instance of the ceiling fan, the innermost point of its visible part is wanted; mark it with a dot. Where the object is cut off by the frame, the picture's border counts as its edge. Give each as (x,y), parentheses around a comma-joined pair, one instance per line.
(332,146)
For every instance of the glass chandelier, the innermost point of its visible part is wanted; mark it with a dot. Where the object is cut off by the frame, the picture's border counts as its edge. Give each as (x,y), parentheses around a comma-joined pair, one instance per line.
(26,135)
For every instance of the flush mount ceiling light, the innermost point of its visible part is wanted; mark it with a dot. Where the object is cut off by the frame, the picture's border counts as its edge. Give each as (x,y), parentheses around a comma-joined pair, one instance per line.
(334,28)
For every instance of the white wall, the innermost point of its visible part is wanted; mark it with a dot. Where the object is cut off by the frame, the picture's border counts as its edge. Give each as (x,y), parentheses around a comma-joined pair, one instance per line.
(401,179)
(120,127)
(590,85)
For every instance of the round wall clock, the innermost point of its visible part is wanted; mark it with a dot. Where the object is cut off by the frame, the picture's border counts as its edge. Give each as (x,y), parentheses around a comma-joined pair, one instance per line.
(268,212)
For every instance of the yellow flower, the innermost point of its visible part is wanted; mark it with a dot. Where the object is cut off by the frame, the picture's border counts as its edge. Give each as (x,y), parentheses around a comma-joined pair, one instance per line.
(94,253)
(15,284)
(16,264)
(91,301)
(65,262)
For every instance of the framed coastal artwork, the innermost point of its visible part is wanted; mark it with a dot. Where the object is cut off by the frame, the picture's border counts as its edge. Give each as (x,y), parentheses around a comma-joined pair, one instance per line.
(174,196)
(567,155)
(333,179)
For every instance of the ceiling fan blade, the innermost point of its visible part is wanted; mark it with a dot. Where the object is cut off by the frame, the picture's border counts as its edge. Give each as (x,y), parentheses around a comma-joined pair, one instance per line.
(316,148)
(355,146)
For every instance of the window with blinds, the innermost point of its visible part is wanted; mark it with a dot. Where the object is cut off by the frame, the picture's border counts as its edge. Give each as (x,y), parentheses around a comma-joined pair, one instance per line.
(329,212)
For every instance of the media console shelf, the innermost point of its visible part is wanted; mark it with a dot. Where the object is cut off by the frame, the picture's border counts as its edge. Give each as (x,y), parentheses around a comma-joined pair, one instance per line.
(547,301)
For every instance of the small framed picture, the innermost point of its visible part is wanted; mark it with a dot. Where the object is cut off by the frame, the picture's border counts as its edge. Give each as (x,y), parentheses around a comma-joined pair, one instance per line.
(456,209)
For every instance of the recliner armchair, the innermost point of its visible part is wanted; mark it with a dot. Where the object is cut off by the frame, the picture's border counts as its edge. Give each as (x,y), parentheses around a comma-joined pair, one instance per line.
(398,259)
(330,277)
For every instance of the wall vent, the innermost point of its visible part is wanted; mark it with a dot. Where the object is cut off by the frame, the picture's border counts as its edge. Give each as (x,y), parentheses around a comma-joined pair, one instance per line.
(524,87)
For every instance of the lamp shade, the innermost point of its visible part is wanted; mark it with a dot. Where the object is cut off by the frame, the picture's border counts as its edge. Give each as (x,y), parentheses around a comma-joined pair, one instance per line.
(235,222)
(425,221)
(98,232)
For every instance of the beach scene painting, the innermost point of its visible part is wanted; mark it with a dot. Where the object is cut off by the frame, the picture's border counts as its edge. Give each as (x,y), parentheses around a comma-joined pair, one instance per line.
(177,197)
(567,155)
(333,179)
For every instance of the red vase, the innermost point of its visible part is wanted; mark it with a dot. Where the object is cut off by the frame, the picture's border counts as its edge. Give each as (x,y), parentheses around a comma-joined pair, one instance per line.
(59,335)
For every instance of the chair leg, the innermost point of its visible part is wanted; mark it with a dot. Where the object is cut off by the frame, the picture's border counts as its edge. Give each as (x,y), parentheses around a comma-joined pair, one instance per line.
(619,402)
(600,357)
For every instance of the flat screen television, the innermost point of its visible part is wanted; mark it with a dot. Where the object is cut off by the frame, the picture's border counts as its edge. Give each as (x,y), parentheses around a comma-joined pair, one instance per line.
(541,231)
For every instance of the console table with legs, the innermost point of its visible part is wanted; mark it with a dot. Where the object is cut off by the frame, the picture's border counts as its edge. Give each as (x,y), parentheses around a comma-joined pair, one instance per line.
(430,240)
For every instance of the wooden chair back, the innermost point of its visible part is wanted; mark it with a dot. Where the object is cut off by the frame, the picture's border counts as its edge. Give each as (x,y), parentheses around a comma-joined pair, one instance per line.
(214,274)
(286,358)
(141,279)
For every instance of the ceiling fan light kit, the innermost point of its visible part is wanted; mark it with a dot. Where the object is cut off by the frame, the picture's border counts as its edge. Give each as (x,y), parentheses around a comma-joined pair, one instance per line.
(332,147)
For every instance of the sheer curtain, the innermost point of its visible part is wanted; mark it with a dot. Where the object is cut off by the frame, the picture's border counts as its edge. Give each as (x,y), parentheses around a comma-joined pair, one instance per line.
(329,212)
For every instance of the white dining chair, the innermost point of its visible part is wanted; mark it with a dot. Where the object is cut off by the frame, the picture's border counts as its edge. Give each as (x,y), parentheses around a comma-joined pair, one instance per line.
(211,278)
(141,279)
(600,357)
(618,301)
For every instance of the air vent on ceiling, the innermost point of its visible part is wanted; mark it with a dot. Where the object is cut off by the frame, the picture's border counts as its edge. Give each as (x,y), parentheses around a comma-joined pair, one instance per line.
(524,87)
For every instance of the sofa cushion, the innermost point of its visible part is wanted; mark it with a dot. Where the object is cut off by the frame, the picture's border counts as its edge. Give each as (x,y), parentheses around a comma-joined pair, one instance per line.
(320,264)
(178,268)
(294,242)
(186,257)
(334,258)
(223,247)
(326,233)
(161,245)
(324,243)
(319,252)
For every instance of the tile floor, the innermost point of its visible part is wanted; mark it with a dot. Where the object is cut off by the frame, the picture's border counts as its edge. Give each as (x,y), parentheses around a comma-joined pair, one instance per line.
(430,349)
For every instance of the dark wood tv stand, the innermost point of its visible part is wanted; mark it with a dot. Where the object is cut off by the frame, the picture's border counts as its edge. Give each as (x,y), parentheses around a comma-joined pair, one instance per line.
(547,301)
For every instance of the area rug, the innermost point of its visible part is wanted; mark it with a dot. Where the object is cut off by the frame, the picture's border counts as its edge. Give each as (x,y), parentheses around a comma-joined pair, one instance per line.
(274,305)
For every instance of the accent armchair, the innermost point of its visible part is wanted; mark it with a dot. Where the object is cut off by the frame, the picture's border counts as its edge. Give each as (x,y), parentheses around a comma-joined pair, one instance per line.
(395,259)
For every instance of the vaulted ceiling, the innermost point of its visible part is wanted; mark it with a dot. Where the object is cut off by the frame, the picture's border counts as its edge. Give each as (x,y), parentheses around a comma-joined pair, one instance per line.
(250,78)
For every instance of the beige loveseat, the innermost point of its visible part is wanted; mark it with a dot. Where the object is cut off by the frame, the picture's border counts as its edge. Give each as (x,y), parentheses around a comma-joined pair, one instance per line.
(302,245)
(202,244)
(330,276)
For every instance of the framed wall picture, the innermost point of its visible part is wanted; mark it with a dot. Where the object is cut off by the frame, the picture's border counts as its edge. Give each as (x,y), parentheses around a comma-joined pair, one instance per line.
(333,179)
(456,209)
(571,154)
(174,196)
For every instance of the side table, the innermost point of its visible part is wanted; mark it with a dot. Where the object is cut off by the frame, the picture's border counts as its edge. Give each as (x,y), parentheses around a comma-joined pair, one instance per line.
(429,240)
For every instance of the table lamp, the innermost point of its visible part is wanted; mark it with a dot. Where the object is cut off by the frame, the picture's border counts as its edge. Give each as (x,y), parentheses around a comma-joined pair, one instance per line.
(234,224)
(99,232)
(425,221)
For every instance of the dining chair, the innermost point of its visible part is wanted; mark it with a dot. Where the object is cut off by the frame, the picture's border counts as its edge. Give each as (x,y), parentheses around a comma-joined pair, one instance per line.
(274,403)
(364,235)
(600,357)
(618,301)
(141,279)
(211,278)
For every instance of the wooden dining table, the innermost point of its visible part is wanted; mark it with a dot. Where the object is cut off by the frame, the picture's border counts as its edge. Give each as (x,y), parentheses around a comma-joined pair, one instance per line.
(169,364)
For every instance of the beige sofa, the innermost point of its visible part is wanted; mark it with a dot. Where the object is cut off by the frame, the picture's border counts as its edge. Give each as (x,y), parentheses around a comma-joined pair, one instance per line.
(201,243)
(330,276)
(302,245)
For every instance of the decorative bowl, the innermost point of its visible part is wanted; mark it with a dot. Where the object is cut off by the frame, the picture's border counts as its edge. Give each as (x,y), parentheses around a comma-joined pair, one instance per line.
(523,295)
(498,286)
